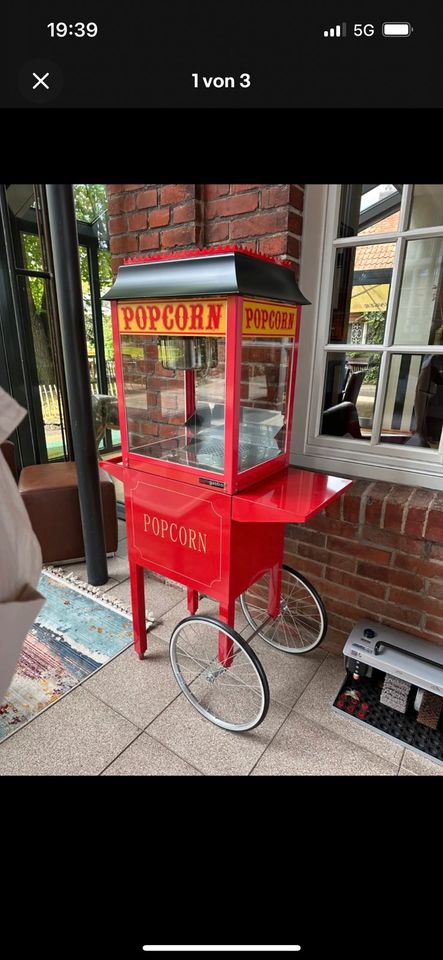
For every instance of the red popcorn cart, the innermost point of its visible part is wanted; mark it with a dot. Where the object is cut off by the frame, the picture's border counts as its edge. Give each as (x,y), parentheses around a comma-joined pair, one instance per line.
(206,353)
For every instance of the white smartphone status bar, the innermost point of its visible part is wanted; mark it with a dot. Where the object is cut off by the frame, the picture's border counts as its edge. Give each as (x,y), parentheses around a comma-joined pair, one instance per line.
(200,949)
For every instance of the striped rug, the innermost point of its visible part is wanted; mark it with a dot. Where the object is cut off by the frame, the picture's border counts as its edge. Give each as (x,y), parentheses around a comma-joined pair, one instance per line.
(74,635)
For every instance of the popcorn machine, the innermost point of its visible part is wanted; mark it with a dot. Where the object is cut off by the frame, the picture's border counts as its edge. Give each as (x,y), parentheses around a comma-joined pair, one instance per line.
(206,352)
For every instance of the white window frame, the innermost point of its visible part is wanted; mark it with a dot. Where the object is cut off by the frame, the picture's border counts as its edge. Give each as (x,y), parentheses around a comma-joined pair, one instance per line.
(415,466)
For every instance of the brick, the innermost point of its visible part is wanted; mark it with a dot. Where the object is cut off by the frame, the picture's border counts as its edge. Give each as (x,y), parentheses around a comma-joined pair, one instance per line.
(419,565)
(127,202)
(150,240)
(293,248)
(117,225)
(436,551)
(179,236)
(337,591)
(396,541)
(134,186)
(304,534)
(114,187)
(380,610)
(243,187)
(217,231)
(274,246)
(146,199)
(123,244)
(276,196)
(159,217)
(417,509)
(334,641)
(213,190)
(413,601)
(340,623)
(434,525)
(115,205)
(232,206)
(258,225)
(184,213)
(342,608)
(397,578)
(396,508)
(372,588)
(435,589)
(333,527)
(137,221)
(313,553)
(374,502)
(177,193)
(362,550)
(296,196)
(309,568)
(295,223)
(340,562)
(334,509)
(432,625)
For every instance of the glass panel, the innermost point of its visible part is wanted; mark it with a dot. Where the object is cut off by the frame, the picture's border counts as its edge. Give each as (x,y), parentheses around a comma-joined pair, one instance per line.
(362,283)
(420,310)
(158,374)
(350,394)
(32,251)
(35,292)
(413,410)
(427,206)
(369,208)
(263,393)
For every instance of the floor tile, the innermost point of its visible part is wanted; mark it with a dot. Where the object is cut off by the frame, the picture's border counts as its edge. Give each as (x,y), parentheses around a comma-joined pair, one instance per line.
(159,597)
(122,530)
(79,735)
(414,763)
(304,748)
(179,612)
(138,689)
(209,748)
(316,704)
(122,549)
(147,757)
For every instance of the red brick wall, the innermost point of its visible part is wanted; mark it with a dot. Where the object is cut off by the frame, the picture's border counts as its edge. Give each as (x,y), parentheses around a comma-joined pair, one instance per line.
(150,217)
(376,552)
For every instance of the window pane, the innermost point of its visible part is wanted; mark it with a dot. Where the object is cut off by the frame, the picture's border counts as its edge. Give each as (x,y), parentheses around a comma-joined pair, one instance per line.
(32,251)
(369,208)
(265,366)
(427,205)
(158,372)
(362,283)
(350,392)
(413,411)
(420,310)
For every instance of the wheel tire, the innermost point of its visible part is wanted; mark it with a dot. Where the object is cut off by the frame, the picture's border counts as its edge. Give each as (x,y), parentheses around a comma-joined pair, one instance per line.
(202,678)
(301,623)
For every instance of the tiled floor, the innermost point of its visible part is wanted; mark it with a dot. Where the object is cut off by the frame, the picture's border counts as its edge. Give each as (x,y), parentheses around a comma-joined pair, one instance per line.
(129,718)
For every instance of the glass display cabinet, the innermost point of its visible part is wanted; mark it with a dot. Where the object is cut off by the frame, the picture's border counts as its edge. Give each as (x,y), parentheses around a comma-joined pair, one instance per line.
(206,347)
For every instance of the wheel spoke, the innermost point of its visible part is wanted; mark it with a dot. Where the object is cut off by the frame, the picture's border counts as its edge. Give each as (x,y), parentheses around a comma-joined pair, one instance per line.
(300,624)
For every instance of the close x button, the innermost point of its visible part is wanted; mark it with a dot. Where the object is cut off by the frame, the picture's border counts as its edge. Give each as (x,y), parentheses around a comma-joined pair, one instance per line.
(40,81)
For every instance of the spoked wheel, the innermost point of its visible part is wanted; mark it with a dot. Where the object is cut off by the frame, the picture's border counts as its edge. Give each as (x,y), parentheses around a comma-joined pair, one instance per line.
(234,696)
(302,620)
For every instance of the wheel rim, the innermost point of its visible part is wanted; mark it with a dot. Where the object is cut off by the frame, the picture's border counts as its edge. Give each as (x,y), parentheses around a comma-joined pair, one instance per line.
(235,697)
(301,622)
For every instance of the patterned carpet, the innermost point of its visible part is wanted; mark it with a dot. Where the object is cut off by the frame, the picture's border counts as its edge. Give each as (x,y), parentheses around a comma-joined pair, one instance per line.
(72,637)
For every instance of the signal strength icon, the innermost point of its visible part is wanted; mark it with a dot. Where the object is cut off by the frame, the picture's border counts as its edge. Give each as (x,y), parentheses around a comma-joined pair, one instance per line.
(338,31)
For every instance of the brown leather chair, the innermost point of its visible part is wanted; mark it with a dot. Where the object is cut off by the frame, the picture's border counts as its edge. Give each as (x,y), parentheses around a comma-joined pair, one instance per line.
(50,494)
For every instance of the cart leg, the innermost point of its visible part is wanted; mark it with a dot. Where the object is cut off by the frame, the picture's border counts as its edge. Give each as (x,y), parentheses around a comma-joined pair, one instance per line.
(274,590)
(192,600)
(138,608)
(225,645)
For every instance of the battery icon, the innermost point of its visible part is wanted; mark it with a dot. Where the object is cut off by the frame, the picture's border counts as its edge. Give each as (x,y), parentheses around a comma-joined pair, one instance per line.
(397,29)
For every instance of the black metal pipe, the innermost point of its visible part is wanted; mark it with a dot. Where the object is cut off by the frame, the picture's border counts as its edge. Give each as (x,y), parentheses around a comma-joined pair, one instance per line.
(61,213)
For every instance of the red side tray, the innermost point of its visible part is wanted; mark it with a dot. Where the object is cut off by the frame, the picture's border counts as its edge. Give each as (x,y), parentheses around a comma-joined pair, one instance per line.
(114,466)
(292,497)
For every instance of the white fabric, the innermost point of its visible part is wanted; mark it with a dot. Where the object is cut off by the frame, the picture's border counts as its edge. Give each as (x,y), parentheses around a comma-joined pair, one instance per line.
(20,556)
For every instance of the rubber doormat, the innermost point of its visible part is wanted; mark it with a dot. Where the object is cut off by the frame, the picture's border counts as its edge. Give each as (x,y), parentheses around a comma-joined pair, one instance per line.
(360,700)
